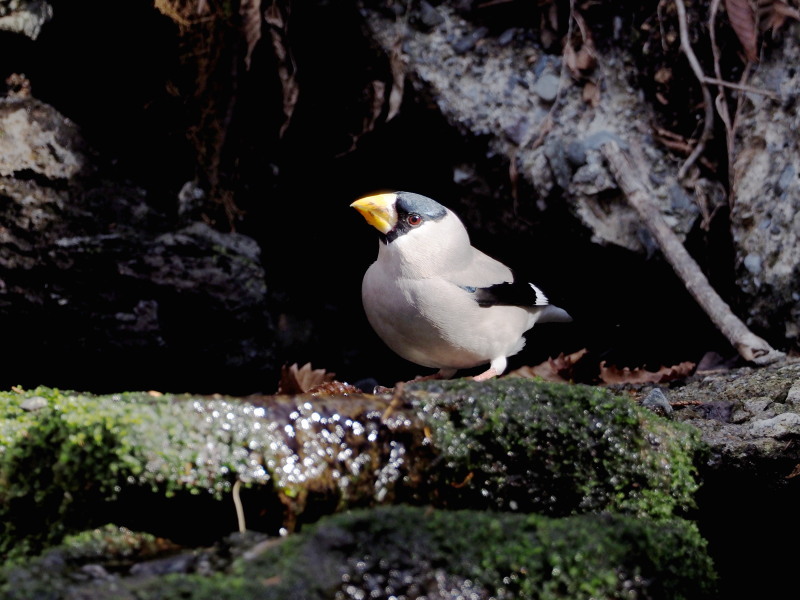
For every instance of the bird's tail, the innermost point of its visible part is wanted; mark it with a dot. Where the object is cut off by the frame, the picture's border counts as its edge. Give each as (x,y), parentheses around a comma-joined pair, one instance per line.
(553,314)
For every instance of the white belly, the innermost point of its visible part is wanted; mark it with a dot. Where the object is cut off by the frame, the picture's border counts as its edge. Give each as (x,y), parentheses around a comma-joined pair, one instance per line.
(437,324)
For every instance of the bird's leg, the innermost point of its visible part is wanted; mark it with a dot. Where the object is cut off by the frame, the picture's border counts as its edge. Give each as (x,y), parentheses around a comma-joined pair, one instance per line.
(441,374)
(496,367)
(487,374)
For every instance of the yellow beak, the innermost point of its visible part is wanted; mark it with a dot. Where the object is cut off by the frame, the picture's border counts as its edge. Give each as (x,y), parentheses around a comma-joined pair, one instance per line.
(379,211)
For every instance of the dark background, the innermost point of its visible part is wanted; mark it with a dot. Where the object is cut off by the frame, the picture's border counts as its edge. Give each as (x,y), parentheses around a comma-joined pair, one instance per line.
(128,84)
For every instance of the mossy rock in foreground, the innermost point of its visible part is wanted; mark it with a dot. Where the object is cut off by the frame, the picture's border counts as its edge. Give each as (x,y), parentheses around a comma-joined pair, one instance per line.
(556,449)
(397,552)
(71,461)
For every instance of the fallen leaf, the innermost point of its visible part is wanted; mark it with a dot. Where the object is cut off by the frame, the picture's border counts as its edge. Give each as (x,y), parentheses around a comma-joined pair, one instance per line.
(663,75)
(378,92)
(743,20)
(286,66)
(398,69)
(580,55)
(591,94)
(250,11)
(795,472)
(553,369)
(299,380)
(334,388)
(611,374)
(775,14)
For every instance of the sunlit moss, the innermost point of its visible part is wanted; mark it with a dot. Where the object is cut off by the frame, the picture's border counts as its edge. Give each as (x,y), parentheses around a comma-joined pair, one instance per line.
(511,444)
(557,449)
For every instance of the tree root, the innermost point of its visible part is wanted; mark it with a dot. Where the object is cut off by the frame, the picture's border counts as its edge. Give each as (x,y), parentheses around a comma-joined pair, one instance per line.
(751,347)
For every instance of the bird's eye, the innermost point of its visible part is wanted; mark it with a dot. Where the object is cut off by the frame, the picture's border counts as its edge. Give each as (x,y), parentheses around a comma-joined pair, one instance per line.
(414,220)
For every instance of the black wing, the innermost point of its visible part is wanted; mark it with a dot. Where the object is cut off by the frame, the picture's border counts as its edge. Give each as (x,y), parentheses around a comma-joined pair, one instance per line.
(515,293)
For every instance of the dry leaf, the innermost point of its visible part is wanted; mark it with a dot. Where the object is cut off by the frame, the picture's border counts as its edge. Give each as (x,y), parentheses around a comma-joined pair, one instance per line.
(591,94)
(286,67)
(553,369)
(743,20)
(398,68)
(250,11)
(581,58)
(296,380)
(611,374)
(377,93)
(663,75)
(334,388)
(570,58)
(584,59)
(774,15)
(795,472)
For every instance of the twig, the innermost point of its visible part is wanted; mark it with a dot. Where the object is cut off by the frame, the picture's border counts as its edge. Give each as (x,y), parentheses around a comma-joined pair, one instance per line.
(740,87)
(237,502)
(750,346)
(722,101)
(396,401)
(708,121)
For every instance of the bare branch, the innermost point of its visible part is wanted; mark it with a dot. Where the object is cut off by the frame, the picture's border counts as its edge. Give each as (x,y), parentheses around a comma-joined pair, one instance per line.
(708,121)
(721,101)
(742,87)
(750,346)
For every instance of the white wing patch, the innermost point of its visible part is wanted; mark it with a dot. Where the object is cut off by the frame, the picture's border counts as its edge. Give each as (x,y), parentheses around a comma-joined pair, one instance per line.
(541,299)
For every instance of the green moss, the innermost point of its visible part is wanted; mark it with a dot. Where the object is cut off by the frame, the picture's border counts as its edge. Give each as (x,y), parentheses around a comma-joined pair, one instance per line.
(109,549)
(510,444)
(557,449)
(400,549)
(62,464)
(409,552)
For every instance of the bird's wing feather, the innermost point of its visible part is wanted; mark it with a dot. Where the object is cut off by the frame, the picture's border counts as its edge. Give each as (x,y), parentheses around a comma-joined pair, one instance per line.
(494,284)
(479,270)
(515,293)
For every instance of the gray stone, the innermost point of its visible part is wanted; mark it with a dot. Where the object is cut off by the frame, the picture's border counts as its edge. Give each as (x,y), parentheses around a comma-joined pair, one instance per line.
(777,426)
(547,86)
(25,17)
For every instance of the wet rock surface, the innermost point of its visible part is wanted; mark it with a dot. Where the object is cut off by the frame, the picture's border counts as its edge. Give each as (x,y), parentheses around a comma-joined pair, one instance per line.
(590,464)
(515,446)
(722,459)
(389,552)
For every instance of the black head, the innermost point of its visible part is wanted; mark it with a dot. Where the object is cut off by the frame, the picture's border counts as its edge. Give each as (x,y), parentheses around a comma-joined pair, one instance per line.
(412,211)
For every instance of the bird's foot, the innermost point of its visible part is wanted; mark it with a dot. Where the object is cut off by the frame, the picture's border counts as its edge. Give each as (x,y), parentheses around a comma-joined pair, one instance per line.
(440,374)
(487,374)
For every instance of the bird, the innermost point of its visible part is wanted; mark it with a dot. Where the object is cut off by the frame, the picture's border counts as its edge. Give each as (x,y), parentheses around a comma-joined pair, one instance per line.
(437,301)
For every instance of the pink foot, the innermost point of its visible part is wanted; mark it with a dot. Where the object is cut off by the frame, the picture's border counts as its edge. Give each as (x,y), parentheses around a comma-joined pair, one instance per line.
(488,374)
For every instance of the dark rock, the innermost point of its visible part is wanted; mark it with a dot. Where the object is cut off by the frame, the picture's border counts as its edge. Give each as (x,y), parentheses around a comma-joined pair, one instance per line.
(123,287)
(427,17)
(657,402)
(406,551)
(467,42)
